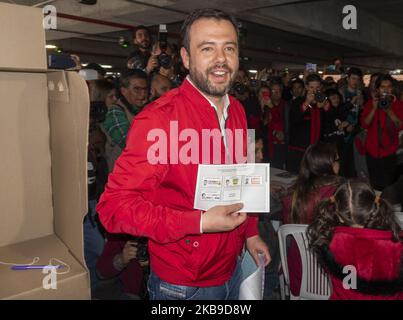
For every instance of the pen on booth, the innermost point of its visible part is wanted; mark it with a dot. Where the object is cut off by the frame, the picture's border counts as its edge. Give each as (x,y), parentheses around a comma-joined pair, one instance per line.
(31,267)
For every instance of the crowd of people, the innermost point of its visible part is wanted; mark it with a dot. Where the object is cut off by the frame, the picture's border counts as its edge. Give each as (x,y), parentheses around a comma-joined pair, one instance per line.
(329,133)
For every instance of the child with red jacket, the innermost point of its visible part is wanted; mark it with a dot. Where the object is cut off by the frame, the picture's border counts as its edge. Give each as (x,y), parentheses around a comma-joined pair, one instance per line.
(356,228)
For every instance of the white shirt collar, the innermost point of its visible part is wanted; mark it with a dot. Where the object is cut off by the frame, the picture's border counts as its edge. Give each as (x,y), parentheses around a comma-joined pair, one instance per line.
(226,99)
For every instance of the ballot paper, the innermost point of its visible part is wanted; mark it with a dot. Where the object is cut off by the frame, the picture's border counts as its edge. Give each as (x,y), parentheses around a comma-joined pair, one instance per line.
(228,184)
(252,284)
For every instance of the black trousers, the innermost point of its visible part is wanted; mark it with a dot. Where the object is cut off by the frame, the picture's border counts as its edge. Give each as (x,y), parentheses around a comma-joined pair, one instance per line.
(382,171)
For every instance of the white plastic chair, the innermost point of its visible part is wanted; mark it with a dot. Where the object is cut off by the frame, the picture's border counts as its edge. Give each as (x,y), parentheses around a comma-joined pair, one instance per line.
(315,284)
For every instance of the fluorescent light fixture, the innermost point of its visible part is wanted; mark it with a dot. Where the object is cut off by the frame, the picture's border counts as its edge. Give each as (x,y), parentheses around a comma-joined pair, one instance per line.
(320,72)
(253,71)
(50,46)
(105,66)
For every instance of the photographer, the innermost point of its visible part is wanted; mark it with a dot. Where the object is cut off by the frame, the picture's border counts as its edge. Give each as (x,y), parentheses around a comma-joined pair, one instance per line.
(275,132)
(125,258)
(383,118)
(141,57)
(353,100)
(305,121)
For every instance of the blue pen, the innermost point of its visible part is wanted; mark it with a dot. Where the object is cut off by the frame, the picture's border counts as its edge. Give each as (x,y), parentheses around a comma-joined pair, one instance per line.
(29,267)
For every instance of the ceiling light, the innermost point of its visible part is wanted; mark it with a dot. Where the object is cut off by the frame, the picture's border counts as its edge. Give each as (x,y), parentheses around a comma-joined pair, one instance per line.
(50,46)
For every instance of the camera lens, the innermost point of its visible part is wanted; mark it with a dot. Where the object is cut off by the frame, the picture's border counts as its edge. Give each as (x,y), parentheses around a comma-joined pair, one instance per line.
(165,60)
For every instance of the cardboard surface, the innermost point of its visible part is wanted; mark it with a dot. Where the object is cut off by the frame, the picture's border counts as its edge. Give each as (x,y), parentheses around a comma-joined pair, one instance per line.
(43,172)
(22,37)
(69,113)
(25,170)
(28,284)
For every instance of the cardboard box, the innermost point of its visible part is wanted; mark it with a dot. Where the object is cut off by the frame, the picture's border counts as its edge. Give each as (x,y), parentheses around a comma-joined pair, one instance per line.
(44,118)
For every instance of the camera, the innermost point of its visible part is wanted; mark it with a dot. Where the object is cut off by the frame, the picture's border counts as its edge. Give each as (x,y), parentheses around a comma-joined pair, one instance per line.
(164,59)
(142,250)
(136,61)
(240,88)
(385,101)
(320,97)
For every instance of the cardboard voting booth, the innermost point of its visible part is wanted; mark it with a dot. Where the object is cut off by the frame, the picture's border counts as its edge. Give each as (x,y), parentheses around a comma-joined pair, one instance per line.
(44,117)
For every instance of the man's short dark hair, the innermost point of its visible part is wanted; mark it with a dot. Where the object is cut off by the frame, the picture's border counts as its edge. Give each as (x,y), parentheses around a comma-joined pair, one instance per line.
(354,71)
(333,92)
(313,77)
(96,67)
(141,27)
(206,13)
(131,74)
(297,80)
(384,77)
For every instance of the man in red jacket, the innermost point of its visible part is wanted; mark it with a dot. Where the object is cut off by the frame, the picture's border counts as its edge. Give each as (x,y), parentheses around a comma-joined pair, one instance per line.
(193,254)
(383,122)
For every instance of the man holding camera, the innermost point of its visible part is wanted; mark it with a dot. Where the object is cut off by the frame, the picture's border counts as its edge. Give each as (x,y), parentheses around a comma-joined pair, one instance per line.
(383,118)
(193,254)
(305,121)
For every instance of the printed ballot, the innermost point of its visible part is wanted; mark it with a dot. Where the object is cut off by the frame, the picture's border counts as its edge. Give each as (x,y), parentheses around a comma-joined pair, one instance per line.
(227,184)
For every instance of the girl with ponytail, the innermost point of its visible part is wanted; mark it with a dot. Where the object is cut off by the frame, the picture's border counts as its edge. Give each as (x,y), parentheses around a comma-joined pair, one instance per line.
(356,229)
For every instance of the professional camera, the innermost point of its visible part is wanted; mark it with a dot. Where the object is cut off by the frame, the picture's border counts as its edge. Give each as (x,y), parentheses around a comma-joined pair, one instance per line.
(320,97)
(142,250)
(136,60)
(385,101)
(164,59)
(240,88)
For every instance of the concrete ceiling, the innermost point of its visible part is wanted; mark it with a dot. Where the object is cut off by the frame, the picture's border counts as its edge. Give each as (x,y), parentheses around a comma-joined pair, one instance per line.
(280,33)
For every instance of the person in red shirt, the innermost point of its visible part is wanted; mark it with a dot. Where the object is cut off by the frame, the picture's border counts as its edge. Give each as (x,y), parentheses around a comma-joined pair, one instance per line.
(383,124)
(193,254)
(316,181)
(356,229)
(275,127)
(305,121)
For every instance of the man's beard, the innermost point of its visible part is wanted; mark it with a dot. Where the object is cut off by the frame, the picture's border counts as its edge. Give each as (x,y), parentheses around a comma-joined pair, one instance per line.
(144,45)
(203,84)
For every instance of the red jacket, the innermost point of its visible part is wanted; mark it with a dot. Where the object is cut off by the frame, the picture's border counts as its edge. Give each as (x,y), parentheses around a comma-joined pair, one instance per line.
(377,259)
(156,200)
(276,124)
(315,197)
(389,134)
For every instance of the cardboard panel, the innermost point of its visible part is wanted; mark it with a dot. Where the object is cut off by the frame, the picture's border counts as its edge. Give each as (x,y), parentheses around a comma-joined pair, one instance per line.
(25,171)
(22,37)
(28,284)
(69,118)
